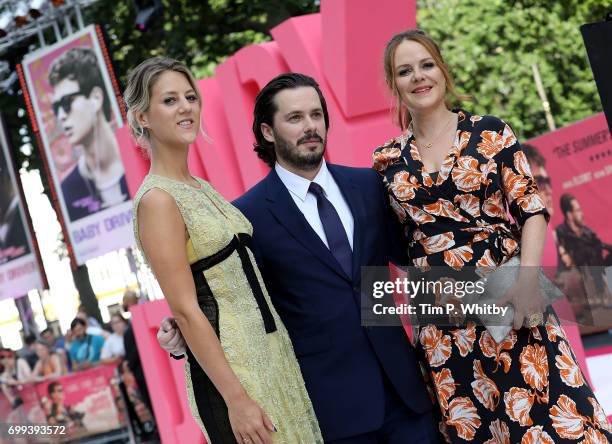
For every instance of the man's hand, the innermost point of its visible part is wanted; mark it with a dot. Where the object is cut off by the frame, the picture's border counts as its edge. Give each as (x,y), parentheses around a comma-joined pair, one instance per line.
(170,338)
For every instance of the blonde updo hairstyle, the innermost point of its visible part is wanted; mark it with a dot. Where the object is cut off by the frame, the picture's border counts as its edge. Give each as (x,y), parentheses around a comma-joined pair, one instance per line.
(137,96)
(453,97)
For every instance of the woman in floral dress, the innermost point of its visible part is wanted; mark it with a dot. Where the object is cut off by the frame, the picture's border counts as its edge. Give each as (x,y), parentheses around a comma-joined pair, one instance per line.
(450,178)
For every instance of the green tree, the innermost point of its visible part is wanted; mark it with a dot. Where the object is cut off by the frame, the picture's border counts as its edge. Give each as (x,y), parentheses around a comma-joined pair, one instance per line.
(201,33)
(491,46)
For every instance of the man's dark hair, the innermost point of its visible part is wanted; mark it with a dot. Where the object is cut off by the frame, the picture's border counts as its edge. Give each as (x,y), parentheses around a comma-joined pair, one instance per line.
(566,203)
(533,155)
(77,321)
(47,330)
(29,339)
(80,65)
(265,108)
(51,387)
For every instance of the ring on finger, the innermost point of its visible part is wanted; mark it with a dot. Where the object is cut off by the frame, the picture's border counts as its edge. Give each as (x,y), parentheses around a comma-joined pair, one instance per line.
(534,319)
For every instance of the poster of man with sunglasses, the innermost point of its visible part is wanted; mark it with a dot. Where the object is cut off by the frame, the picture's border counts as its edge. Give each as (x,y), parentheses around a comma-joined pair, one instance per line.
(77,112)
(82,109)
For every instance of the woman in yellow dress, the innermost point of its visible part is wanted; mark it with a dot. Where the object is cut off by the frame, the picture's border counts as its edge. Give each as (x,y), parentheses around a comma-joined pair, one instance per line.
(243,380)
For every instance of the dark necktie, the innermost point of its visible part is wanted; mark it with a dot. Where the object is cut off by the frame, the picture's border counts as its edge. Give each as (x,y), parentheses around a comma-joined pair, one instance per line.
(334,230)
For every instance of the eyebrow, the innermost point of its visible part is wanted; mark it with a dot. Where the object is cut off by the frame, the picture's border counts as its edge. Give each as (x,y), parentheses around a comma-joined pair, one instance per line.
(174,92)
(420,61)
(298,111)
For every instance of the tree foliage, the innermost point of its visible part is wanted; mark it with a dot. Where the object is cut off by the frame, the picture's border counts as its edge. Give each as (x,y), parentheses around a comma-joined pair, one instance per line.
(201,33)
(490,46)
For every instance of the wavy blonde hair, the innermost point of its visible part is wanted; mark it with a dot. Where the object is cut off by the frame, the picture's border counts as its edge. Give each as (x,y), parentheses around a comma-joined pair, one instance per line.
(416,35)
(137,96)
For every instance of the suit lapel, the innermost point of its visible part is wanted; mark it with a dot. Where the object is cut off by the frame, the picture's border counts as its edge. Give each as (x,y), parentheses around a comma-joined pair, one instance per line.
(286,212)
(354,198)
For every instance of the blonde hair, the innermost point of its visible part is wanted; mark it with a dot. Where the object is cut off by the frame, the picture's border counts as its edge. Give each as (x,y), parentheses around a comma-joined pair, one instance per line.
(137,96)
(416,35)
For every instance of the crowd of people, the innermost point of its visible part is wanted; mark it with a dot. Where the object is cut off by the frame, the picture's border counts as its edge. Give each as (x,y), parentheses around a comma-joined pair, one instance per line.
(85,345)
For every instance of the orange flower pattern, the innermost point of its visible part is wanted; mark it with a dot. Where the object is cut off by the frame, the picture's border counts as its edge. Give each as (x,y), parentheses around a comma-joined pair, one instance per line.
(445,208)
(568,368)
(534,366)
(500,433)
(468,203)
(568,423)
(436,344)
(464,417)
(485,389)
(527,388)
(445,386)
(465,338)
(457,257)
(536,435)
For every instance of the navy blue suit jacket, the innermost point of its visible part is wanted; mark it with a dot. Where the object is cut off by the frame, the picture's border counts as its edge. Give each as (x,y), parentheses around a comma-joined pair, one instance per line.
(342,362)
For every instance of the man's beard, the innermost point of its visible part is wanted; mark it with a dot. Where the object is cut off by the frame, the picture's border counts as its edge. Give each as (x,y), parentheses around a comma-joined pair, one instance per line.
(289,152)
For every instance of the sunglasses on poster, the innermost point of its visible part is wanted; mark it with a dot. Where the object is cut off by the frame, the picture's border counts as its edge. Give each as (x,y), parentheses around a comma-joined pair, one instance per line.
(65,103)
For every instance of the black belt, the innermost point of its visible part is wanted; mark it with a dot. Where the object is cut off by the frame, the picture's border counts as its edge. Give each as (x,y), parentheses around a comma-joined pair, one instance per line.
(239,243)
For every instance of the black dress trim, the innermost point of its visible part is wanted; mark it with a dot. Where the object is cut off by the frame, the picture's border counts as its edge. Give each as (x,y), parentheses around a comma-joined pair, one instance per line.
(211,406)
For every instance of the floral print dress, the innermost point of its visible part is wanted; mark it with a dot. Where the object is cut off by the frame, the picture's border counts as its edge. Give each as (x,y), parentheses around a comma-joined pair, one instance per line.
(528,388)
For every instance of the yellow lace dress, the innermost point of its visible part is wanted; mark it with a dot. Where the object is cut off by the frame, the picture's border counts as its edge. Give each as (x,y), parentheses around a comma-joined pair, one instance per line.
(232,295)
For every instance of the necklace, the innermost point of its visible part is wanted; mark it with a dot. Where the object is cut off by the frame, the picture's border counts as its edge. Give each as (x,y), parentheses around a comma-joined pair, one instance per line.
(430,144)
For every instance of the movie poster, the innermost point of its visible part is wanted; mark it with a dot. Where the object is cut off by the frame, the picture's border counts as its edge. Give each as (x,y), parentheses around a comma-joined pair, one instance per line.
(76,112)
(575,179)
(83,402)
(20,267)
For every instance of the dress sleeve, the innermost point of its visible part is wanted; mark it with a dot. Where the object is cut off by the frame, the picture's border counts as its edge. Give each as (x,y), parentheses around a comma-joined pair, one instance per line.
(519,187)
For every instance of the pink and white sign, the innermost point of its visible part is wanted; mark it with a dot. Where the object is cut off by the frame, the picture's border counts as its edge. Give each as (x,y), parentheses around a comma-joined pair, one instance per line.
(75,113)
(83,402)
(579,165)
(20,267)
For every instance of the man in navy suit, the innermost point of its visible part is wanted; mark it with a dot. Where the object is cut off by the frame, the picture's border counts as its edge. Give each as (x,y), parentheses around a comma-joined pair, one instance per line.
(314,226)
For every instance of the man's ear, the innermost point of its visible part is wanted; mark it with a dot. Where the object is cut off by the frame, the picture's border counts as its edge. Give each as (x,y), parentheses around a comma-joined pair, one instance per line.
(97,95)
(267,132)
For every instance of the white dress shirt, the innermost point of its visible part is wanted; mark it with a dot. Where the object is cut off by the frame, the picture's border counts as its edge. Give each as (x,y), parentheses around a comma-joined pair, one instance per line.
(113,347)
(307,202)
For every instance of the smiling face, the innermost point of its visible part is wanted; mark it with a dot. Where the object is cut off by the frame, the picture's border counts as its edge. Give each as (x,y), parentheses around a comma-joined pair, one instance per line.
(76,112)
(298,131)
(173,117)
(419,80)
